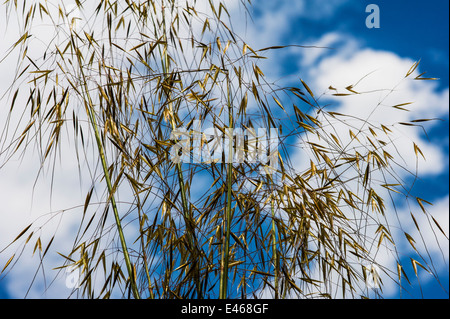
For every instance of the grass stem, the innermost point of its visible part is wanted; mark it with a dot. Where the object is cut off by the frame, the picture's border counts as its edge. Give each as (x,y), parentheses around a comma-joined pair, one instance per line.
(228,217)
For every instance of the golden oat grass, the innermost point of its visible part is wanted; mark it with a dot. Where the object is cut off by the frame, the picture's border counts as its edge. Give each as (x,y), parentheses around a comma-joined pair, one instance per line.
(119,79)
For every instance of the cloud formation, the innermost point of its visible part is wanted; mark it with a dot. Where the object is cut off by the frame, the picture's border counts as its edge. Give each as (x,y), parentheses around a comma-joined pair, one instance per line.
(379,77)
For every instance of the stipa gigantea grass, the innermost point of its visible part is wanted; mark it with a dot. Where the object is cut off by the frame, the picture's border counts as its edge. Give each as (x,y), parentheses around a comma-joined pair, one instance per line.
(138,70)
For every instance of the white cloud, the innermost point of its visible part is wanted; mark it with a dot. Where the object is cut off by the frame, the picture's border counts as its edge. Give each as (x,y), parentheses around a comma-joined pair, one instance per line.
(54,201)
(432,241)
(25,202)
(380,76)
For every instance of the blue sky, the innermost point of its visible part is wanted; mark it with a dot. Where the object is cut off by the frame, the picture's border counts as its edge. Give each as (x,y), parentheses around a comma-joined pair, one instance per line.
(419,30)
(412,29)
(409,31)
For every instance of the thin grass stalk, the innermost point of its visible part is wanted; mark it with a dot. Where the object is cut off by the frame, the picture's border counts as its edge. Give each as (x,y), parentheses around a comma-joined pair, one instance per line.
(144,256)
(274,247)
(226,240)
(165,64)
(187,216)
(90,112)
(123,243)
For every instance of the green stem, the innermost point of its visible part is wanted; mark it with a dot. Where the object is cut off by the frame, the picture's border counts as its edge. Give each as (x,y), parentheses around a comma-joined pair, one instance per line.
(144,256)
(226,239)
(274,247)
(90,111)
(189,222)
(114,206)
